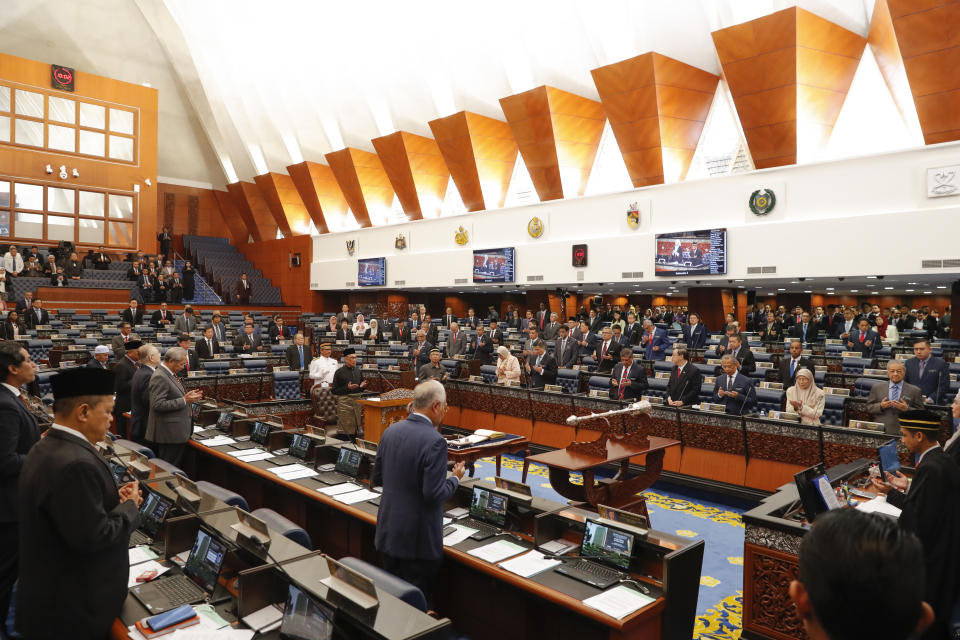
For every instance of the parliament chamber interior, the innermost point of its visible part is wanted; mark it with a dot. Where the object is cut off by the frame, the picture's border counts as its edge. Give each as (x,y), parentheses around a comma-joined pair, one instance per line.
(624,320)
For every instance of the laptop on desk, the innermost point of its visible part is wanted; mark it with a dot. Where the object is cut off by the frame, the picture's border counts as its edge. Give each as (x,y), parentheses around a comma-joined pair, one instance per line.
(296,452)
(488,513)
(153,512)
(306,618)
(346,469)
(258,437)
(224,420)
(605,556)
(198,580)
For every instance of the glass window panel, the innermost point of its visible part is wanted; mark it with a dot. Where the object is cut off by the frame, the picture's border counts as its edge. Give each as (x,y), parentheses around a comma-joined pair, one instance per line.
(28,196)
(59,228)
(121,121)
(29,132)
(121,148)
(5,224)
(63,110)
(121,207)
(4,128)
(4,194)
(4,98)
(60,200)
(29,103)
(92,115)
(91,231)
(61,138)
(91,203)
(92,143)
(121,234)
(29,225)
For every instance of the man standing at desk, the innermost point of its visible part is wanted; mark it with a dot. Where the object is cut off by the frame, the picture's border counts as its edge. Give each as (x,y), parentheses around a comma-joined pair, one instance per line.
(931,511)
(683,386)
(169,422)
(734,390)
(928,372)
(75,524)
(886,401)
(323,368)
(411,466)
(629,380)
(348,382)
(298,354)
(541,366)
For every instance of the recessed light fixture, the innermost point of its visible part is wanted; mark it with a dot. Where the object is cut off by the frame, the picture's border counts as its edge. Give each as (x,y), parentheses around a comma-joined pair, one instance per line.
(941,286)
(928,292)
(794,282)
(871,277)
(808,291)
(909,290)
(911,283)
(889,288)
(781,289)
(829,288)
(854,290)
(871,286)
(738,280)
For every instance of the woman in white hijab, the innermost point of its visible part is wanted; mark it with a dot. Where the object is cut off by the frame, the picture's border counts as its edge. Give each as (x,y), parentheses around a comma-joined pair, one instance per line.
(373,331)
(508,367)
(805,398)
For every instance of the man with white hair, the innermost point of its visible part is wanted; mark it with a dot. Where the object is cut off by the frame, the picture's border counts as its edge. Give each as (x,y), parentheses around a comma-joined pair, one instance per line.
(100,356)
(411,466)
(169,422)
(140,392)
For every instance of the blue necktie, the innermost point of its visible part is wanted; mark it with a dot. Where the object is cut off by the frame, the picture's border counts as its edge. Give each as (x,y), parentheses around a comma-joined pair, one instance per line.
(895,392)
(792,366)
(301,357)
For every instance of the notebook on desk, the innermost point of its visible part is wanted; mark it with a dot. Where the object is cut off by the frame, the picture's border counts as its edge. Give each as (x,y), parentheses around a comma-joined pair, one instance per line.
(605,555)
(346,469)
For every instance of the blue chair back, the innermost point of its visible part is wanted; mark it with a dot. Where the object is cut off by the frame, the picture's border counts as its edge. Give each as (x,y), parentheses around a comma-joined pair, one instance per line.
(222,494)
(388,582)
(284,526)
(833,410)
(255,366)
(657,387)
(215,367)
(862,386)
(569,379)
(856,365)
(770,400)
(489,373)
(286,385)
(600,383)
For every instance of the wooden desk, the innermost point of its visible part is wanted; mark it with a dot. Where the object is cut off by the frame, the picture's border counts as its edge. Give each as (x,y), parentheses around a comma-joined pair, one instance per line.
(380,414)
(471,455)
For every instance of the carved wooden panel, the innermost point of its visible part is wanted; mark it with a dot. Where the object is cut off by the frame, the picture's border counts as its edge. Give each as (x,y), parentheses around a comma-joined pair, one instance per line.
(713,432)
(416,171)
(480,153)
(193,214)
(767,608)
(169,208)
(284,203)
(657,107)
(556,132)
(363,182)
(783,442)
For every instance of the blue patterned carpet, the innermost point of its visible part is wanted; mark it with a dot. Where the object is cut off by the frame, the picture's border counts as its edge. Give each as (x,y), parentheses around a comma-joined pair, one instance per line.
(720,603)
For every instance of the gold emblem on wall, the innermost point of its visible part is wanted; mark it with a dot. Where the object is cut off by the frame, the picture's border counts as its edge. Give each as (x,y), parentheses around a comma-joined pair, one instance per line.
(400,243)
(351,247)
(461,237)
(633,215)
(535,227)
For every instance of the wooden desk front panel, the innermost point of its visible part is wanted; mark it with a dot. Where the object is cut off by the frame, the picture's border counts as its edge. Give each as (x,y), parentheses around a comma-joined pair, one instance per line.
(767,608)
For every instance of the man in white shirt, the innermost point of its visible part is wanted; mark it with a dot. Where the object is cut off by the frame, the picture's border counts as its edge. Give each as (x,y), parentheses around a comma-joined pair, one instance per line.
(323,368)
(13,262)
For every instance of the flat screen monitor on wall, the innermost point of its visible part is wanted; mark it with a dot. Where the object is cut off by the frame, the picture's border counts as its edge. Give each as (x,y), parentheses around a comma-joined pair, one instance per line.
(692,253)
(372,272)
(493,265)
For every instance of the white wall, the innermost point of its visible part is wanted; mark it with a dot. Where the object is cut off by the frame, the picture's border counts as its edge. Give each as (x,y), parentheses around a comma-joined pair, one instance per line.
(850,217)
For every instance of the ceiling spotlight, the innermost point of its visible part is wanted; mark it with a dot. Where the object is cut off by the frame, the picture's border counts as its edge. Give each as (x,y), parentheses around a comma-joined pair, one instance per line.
(854,290)
(48,169)
(928,292)
(941,286)
(871,277)
(147,182)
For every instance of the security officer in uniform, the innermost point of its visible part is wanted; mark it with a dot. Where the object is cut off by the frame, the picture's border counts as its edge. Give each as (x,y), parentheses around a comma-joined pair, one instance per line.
(348,383)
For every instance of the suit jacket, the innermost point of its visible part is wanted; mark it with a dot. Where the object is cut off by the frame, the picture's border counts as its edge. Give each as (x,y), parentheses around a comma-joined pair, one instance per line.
(784,368)
(344,316)
(345,335)
(542,318)
(156,316)
(293,357)
(243,294)
(411,466)
(431,333)
(219,332)
(183,324)
(251,343)
(169,420)
(695,338)
(377,337)
(768,333)
(796,331)
(119,346)
(73,268)
(686,387)
(22,305)
(134,319)
(633,333)
(659,340)
(549,375)
(595,323)
(204,352)
(567,356)
(6,330)
(448,319)
(746,394)
(909,394)
(74,533)
(458,346)
(484,350)
(590,338)
(275,332)
(748,363)
(832,326)
(550,330)
(935,383)
(93,363)
(33,321)
(401,334)
(862,348)
(140,402)
(193,364)
(423,357)
(605,364)
(636,383)
(469,322)
(18,433)
(123,373)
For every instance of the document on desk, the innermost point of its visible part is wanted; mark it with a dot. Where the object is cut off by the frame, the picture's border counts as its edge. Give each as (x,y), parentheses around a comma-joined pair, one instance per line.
(497,551)
(143,553)
(462,533)
(253,457)
(296,474)
(618,602)
(138,569)
(529,564)
(217,441)
(337,489)
(287,468)
(879,505)
(354,497)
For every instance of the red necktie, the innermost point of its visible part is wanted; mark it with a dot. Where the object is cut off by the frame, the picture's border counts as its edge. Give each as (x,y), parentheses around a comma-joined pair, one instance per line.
(623,380)
(603,353)
(862,336)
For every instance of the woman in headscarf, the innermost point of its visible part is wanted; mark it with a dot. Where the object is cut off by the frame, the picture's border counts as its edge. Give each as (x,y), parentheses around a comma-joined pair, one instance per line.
(508,367)
(805,398)
(373,331)
(360,327)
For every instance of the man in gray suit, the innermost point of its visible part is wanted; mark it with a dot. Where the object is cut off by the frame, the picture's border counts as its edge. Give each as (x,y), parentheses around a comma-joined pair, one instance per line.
(169,422)
(888,400)
(119,343)
(140,392)
(457,342)
(186,323)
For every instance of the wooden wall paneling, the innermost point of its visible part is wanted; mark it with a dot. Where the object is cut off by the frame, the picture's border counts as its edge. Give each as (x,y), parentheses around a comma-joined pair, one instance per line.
(193,215)
(169,207)
(284,202)
(232,219)
(886,51)
(363,182)
(480,153)
(788,73)
(657,107)
(555,130)
(243,209)
(416,170)
(319,192)
(708,302)
(929,42)
(196,211)
(271,257)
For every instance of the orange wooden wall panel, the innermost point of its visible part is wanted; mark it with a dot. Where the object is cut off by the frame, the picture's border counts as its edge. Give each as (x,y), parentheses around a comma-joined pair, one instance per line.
(231,217)
(320,193)
(480,153)
(210,219)
(416,170)
(284,202)
(271,257)
(363,182)
(883,42)
(253,210)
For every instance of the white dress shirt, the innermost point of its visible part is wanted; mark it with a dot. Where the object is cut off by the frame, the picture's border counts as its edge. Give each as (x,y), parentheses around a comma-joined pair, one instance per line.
(322,370)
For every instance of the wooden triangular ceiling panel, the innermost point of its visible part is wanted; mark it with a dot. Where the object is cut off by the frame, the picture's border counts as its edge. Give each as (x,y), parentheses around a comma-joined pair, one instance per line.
(886,51)
(788,73)
(253,210)
(285,204)
(480,153)
(320,193)
(362,181)
(556,131)
(657,107)
(416,171)
(231,217)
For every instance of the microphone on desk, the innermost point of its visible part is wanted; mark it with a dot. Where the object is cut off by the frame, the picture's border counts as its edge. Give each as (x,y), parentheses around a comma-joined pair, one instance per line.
(747,397)
(112,453)
(384,378)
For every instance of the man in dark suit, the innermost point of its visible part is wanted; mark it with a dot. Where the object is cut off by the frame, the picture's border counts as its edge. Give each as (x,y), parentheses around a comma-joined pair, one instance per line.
(734,390)
(606,352)
(542,317)
(244,290)
(123,379)
(166,242)
(550,331)
(743,354)
(248,341)
(421,350)
(429,329)
(471,321)
(628,379)
(484,350)
(633,330)
(192,362)
(38,315)
(930,373)
(831,322)
(565,349)
(401,332)
(792,362)
(208,346)
(133,313)
(806,330)
(345,314)
(449,318)
(219,329)
(887,401)
(169,423)
(594,322)
(149,360)
(161,318)
(146,285)
(18,433)
(75,524)
(683,387)
(101,261)
(586,339)
(864,340)
(931,511)
(411,466)
(298,354)
(618,336)
(101,355)
(654,342)
(275,332)
(694,333)
(541,366)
